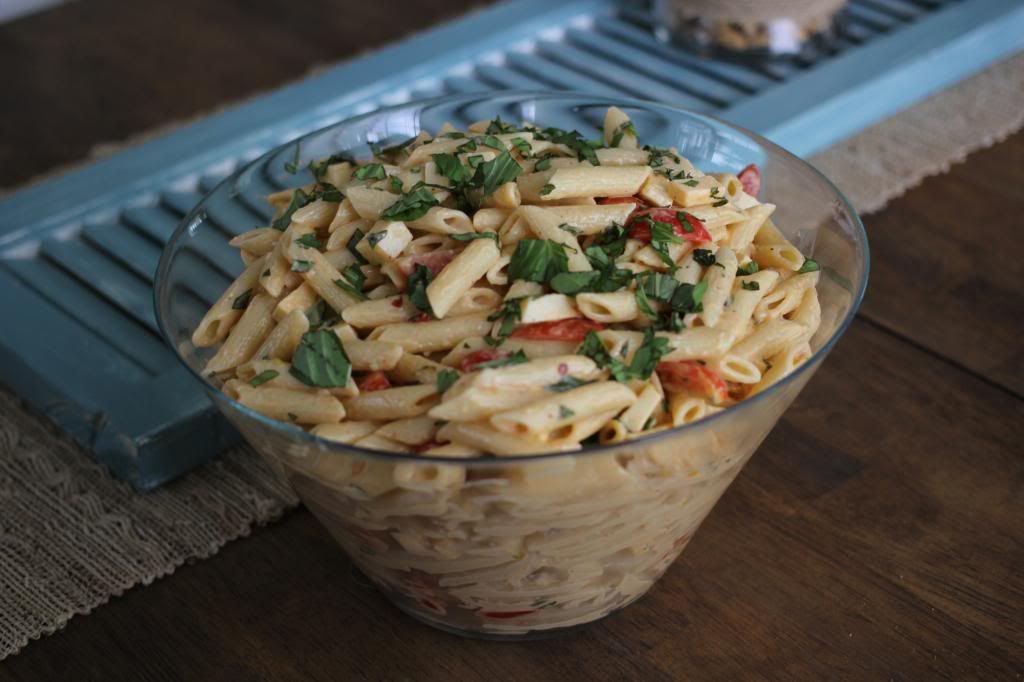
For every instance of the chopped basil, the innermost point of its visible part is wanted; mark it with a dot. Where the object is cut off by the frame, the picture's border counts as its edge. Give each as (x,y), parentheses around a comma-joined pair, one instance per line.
(657,286)
(471,236)
(673,322)
(572,283)
(319,168)
(242,300)
(321,315)
(412,206)
(688,298)
(750,286)
(663,234)
(704,257)
(684,221)
(395,183)
(657,155)
(474,161)
(299,199)
(569,228)
(808,266)
(538,260)
(393,152)
(621,131)
(644,304)
(522,146)
(417,288)
(309,241)
(264,377)
(691,183)
(454,135)
(353,281)
(492,174)
(491,141)
(375,238)
(373,171)
(509,314)
(448,165)
(720,202)
(748,269)
(357,236)
(612,243)
(517,358)
(320,360)
(574,140)
(493,342)
(499,127)
(301,265)
(644,360)
(468,146)
(567,384)
(293,417)
(293,165)
(445,379)
(547,189)
(651,421)
(543,165)
(328,192)
(564,412)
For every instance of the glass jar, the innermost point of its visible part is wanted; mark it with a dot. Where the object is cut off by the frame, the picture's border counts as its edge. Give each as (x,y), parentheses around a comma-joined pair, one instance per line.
(750,28)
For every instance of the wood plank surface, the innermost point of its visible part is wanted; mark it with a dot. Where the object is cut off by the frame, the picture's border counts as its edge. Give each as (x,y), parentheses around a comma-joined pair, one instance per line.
(102,70)
(850,548)
(947,268)
(876,535)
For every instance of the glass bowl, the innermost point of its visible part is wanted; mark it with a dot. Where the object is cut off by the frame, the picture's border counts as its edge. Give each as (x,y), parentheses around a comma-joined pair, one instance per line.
(522,546)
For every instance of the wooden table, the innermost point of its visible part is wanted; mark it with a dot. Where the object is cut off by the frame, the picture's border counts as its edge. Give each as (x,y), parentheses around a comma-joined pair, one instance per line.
(876,535)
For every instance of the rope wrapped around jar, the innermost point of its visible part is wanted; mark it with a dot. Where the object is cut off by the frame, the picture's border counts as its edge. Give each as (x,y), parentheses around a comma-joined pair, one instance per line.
(778,27)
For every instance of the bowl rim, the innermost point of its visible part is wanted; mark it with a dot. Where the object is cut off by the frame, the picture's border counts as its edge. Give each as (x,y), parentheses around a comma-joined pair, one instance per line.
(335,447)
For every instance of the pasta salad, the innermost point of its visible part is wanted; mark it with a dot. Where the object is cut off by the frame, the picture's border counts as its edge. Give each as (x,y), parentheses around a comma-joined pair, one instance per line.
(511,290)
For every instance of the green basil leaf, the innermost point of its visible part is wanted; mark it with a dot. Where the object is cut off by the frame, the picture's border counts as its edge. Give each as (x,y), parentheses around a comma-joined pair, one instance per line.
(517,358)
(309,241)
(299,199)
(750,286)
(471,236)
(412,206)
(620,132)
(445,379)
(808,266)
(356,237)
(372,171)
(449,166)
(748,269)
(688,297)
(704,257)
(264,377)
(492,174)
(572,283)
(567,384)
(242,300)
(538,260)
(320,360)
(417,288)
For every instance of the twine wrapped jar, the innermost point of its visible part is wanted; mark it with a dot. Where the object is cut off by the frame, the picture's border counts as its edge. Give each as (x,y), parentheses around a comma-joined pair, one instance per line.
(756,28)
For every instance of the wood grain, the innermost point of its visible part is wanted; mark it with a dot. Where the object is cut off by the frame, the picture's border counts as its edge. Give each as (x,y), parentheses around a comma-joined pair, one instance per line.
(101,71)
(947,270)
(851,547)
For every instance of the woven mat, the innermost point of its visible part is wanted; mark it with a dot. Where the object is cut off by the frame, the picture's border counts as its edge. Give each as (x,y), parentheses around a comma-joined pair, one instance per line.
(71,537)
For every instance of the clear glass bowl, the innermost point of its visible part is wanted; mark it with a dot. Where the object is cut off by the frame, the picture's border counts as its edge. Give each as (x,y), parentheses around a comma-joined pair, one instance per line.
(517,546)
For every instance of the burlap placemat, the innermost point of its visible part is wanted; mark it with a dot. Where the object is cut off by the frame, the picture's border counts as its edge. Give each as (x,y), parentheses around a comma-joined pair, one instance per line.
(71,537)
